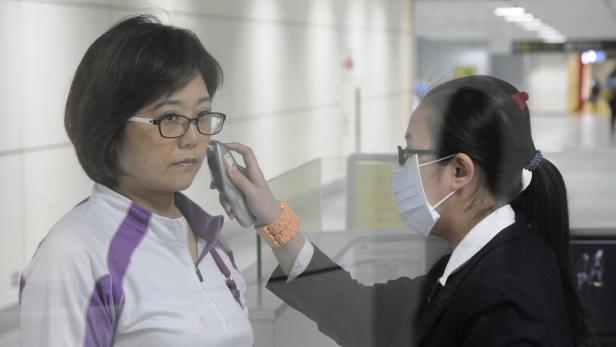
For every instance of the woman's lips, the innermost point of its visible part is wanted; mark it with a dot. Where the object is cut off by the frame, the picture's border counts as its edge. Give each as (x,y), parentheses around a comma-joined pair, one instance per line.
(186,162)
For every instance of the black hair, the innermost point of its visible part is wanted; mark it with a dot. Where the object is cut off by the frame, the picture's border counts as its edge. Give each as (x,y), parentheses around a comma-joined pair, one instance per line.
(478,116)
(136,62)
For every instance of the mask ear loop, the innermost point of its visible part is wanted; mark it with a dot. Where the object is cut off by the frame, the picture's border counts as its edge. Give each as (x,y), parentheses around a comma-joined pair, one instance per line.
(443,200)
(437,160)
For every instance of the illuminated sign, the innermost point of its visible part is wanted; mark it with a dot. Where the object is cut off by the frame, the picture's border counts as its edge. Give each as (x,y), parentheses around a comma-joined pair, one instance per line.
(571,46)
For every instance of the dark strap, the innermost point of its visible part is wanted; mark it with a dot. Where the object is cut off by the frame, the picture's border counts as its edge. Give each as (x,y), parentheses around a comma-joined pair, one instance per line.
(227,274)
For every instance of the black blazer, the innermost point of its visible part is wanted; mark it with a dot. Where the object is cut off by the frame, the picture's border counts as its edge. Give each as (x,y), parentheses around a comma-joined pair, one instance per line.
(508,294)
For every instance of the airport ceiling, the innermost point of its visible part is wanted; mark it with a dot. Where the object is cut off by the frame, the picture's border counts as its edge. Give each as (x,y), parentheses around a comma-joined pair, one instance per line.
(474,20)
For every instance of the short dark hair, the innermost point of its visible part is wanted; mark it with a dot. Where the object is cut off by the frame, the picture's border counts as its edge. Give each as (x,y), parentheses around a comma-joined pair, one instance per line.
(136,62)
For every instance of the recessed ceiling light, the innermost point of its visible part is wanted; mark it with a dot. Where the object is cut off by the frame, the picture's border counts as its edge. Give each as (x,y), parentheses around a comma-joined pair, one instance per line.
(526,17)
(509,11)
(529,22)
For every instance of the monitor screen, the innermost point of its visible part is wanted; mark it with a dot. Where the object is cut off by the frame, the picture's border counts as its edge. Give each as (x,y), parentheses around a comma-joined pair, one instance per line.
(593,260)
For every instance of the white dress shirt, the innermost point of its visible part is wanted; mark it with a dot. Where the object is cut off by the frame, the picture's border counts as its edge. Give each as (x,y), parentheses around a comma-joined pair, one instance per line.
(302,261)
(477,238)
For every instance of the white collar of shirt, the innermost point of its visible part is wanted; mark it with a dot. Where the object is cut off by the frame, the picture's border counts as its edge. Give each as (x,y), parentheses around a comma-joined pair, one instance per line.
(166,229)
(477,238)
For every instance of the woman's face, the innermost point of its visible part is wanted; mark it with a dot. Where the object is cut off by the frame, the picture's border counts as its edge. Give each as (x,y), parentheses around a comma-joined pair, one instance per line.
(152,163)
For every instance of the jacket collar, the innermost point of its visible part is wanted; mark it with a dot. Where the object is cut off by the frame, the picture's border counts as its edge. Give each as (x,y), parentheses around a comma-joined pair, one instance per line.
(440,297)
(477,238)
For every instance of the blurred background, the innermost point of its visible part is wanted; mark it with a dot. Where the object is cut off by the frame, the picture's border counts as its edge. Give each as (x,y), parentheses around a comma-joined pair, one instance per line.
(322,91)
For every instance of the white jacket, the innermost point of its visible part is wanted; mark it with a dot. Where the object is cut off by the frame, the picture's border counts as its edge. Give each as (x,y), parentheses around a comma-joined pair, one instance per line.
(111,273)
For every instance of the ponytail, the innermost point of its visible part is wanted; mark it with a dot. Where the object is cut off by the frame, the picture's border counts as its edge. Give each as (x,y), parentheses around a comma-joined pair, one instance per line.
(545,204)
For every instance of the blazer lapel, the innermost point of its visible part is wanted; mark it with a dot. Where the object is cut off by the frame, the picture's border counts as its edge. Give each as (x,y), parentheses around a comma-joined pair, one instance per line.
(437,303)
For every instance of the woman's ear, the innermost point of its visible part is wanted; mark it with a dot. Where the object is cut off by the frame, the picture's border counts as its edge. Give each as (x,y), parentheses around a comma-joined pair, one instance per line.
(463,171)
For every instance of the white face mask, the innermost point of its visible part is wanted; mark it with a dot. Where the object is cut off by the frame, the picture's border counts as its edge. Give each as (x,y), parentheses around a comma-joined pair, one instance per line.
(415,209)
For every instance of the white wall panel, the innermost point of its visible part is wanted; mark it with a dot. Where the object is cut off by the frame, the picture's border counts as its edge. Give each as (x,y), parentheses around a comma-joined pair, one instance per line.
(10,77)
(11,232)
(437,60)
(52,41)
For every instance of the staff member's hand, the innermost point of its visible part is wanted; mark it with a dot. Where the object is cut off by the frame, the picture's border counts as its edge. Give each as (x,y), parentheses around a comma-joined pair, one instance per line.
(261,203)
(250,181)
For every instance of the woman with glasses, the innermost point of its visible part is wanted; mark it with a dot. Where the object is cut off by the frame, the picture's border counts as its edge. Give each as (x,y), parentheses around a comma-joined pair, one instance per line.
(470,174)
(138,263)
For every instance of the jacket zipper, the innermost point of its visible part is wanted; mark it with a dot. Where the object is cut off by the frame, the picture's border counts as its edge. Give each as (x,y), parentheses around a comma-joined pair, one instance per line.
(220,311)
(199,275)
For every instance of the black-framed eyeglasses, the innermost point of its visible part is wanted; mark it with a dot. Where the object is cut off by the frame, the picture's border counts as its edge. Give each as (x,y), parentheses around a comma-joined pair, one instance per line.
(404,153)
(175,125)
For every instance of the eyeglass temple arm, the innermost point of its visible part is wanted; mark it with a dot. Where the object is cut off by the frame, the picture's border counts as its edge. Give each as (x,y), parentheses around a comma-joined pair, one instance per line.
(414,151)
(142,120)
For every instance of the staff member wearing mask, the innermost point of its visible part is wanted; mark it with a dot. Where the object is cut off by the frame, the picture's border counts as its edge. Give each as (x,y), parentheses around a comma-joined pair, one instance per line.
(470,174)
(138,263)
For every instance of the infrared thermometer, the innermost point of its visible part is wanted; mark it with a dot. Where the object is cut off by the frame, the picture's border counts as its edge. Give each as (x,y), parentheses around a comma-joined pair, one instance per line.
(219,159)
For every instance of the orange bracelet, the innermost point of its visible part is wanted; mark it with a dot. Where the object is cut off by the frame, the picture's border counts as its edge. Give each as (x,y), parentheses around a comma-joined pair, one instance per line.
(282,230)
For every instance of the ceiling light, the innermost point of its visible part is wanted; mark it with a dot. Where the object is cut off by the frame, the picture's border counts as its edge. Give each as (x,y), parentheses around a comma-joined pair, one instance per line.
(534,25)
(550,30)
(593,57)
(589,57)
(529,22)
(509,11)
(523,18)
(600,56)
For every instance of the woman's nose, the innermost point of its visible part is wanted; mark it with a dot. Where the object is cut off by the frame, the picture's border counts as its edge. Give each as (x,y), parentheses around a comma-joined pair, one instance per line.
(192,135)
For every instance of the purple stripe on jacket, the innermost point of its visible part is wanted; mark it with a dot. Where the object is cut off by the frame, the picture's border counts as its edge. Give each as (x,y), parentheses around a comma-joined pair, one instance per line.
(206,226)
(108,295)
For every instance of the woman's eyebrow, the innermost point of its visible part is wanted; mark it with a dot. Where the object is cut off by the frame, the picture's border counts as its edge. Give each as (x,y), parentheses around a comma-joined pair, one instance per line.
(178,102)
(204,99)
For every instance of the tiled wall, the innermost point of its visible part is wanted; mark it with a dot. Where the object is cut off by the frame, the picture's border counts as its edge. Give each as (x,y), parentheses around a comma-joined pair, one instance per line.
(286,92)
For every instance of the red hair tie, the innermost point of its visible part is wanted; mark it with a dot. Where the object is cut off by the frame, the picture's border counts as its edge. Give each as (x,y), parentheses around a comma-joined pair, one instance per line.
(520,99)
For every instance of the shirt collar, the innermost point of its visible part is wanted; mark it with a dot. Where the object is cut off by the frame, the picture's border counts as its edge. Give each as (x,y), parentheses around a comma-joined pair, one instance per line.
(204,225)
(477,238)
